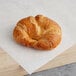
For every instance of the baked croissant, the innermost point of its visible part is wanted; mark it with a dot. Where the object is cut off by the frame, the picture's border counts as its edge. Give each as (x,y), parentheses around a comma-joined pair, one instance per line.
(38,32)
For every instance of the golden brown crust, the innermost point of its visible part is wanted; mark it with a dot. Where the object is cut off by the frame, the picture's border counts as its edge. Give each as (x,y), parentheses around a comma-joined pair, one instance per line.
(38,32)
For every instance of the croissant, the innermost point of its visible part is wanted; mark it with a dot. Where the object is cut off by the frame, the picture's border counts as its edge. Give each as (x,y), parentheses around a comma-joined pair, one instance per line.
(38,32)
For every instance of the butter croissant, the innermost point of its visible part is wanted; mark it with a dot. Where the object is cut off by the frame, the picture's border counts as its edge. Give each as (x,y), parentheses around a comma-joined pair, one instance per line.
(38,32)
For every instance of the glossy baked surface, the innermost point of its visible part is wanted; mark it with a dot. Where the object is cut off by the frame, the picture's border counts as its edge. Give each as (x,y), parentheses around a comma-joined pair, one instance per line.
(38,32)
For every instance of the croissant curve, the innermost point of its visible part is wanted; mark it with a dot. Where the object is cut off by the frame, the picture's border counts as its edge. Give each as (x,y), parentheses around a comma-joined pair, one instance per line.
(38,32)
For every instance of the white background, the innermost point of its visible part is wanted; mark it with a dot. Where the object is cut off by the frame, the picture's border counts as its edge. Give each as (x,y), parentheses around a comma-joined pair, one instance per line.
(62,11)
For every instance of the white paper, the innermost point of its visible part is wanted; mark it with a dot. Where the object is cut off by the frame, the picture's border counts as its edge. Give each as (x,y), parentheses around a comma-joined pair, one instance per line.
(62,11)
